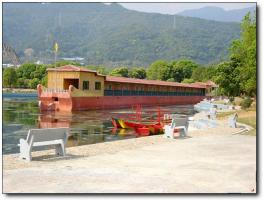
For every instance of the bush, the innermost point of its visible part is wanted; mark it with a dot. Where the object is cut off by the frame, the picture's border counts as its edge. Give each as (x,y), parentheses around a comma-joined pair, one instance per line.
(231,99)
(9,77)
(171,80)
(33,83)
(246,103)
(188,80)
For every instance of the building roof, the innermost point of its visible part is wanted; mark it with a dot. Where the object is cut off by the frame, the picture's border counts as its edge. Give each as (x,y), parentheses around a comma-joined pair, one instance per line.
(207,84)
(211,83)
(72,68)
(151,82)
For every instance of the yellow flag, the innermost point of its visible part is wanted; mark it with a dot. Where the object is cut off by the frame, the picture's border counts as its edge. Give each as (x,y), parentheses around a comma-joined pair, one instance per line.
(56,47)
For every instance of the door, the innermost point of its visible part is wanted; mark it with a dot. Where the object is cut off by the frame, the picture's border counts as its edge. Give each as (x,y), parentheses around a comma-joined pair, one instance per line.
(68,82)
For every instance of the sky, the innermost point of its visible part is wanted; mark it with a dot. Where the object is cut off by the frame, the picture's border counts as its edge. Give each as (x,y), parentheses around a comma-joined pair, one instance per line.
(173,8)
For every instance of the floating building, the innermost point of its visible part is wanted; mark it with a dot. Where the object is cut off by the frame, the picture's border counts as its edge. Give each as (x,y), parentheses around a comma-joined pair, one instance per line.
(72,88)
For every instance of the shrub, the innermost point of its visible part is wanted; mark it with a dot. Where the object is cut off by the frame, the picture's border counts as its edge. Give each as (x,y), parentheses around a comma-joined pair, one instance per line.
(33,83)
(231,99)
(188,80)
(246,103)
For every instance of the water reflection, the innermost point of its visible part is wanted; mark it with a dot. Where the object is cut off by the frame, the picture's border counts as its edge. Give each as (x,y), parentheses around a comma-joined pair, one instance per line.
(86,127)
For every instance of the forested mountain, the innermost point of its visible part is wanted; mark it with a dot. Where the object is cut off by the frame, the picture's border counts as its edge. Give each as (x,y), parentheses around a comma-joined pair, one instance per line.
(113,35)
(218,14)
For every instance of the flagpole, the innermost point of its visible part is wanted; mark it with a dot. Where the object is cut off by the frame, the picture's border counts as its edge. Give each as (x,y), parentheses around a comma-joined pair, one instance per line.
(56,67)
(56,51)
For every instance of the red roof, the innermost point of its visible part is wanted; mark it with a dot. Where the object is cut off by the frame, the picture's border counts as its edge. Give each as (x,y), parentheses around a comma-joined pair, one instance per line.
(207,84)
(72,68)
(150,82)
(211,83)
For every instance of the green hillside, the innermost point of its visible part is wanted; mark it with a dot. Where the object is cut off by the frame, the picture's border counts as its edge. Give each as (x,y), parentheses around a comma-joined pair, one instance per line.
(113,35)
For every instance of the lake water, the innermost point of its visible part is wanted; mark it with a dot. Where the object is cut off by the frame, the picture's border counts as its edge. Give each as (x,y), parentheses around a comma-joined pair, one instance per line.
(21,113)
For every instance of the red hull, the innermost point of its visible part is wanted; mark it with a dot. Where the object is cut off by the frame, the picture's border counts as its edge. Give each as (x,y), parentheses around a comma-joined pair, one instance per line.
(144,131)
(134,125)
(66,103)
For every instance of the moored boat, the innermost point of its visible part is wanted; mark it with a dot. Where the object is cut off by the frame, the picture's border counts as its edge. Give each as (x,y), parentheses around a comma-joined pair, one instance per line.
(115,123)
(134,121)
(142,131)
(71,88)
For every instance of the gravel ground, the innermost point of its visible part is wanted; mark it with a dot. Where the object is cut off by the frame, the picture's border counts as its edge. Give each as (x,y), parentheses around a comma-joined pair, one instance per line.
(213,160)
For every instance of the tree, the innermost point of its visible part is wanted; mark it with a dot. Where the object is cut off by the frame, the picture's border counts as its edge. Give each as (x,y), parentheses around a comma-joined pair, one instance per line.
(175,70)
(182,69)
(99,69)
(210,73)
(26,71)
(39,72)
(22,83)
(65,62)
(44,81)
(137,72)
(243,52)
(122,71)
(170,80)
(204,74)
(159,70)
(28,74)
(198,74)
(178,73)
(188,80)
(228,78)
(188,67)
(33,83)
(10,77)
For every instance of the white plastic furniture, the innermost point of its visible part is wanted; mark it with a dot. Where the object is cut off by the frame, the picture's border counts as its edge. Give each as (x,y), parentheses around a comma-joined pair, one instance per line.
(44,137)
(212,113)
(177,123)
(232,121)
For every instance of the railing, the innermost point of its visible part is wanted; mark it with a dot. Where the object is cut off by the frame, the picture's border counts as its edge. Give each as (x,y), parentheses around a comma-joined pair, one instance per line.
(148,93)
(54,90)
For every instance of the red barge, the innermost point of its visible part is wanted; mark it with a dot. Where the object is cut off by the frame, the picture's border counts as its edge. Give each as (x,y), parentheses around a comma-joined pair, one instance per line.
(72,88)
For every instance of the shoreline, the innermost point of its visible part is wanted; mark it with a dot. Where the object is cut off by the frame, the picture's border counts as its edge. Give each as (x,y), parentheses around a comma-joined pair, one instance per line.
(196,164)
(11,161)
(18,90)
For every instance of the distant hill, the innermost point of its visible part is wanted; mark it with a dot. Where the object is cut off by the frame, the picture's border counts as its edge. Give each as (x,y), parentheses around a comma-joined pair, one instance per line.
(113,35)
(218,14)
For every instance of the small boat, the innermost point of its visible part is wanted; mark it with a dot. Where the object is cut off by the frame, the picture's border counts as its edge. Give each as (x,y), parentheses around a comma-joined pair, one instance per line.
(131,124)
(135,122)
(154,128)
(115,123)
(122,123)
(142,131)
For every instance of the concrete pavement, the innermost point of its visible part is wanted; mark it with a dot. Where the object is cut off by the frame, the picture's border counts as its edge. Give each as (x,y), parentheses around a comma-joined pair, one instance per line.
(210,163)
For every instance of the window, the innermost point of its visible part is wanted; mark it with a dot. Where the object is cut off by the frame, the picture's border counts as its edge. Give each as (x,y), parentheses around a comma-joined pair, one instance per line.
(97,85)
(85,85)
